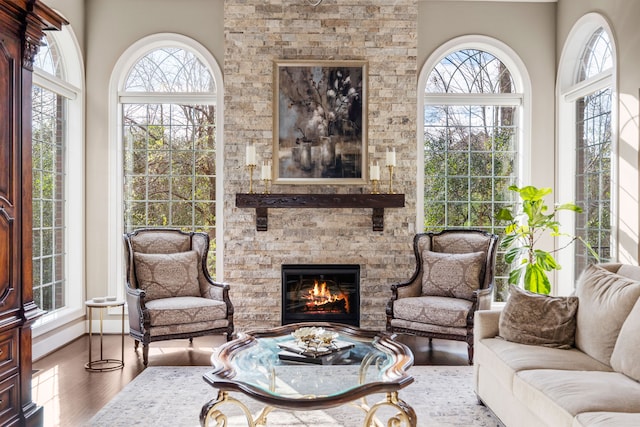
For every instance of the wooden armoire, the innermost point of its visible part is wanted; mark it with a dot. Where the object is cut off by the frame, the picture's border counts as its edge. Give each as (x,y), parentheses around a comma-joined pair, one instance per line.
(22,23)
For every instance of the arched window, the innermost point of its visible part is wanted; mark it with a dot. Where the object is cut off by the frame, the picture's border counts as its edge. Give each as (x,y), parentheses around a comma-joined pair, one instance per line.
(168,93)
(57,167)
(586,79)
(471,138)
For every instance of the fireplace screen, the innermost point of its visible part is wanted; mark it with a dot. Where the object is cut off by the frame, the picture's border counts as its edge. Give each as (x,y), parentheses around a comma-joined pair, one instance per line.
(321,293)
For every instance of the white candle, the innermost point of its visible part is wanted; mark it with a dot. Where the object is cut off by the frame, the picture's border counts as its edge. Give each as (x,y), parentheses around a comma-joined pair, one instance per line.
(266,171)
(251,154)
(391,157)
(374,171)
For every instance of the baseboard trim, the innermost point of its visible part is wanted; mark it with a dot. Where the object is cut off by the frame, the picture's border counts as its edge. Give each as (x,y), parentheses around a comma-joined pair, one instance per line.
(43,345)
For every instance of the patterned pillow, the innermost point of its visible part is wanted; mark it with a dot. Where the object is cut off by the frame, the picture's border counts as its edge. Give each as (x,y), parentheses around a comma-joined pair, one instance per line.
(536,319)
(451,275)
(168,275)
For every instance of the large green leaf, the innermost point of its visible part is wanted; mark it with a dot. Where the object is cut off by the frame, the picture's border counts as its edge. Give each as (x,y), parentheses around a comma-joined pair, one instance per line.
(514,253)
(515,275)
(508,240)
(504,214)
(532,193)
(536,280)
(545,260)
(569,207)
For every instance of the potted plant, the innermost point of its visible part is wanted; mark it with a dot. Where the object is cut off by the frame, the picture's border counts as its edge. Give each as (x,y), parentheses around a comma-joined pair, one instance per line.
(526,224)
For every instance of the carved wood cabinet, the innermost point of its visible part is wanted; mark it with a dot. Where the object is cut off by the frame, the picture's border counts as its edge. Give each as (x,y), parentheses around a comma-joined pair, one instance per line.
(22,23)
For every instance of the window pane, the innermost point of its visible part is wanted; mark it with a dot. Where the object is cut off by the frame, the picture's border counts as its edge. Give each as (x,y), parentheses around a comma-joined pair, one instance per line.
(48,58)
(48,188)
(593,177)
(170,69)
(596,57)
(470,71)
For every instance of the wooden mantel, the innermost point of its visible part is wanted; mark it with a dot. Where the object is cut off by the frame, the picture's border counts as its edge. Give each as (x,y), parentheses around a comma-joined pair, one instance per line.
(262,202)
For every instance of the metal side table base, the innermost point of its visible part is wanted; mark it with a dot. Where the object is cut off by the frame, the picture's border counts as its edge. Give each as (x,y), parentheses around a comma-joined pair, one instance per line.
(102,364)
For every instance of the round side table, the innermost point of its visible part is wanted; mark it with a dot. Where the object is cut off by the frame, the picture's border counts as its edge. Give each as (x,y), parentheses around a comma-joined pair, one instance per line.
(102,364)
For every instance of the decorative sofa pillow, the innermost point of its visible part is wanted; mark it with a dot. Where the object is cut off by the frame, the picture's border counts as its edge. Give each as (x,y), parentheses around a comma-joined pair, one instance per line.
(625,353)
(536,319)
(606,299)
(451,275)
(168,275)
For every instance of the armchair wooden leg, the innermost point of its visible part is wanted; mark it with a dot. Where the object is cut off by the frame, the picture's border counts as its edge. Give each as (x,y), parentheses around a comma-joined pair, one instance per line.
(470,353)
(145,354)
(136,343)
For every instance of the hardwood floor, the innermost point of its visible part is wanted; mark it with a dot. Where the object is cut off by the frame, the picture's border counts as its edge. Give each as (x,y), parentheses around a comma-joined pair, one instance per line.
(71,395)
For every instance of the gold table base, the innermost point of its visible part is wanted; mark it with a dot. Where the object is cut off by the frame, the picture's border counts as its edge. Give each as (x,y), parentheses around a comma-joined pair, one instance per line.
(406,416)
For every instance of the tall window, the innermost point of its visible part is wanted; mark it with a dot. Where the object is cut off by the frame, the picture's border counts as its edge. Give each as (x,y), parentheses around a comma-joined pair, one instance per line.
(57,229)
(49,176)
(593,151)
(586,144)
(168,117)
(471,144)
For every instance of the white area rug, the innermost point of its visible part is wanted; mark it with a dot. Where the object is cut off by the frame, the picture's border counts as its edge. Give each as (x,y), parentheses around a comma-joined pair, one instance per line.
(173,396)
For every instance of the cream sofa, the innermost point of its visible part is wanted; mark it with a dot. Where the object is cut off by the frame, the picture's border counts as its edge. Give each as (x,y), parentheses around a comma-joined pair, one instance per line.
(596,382)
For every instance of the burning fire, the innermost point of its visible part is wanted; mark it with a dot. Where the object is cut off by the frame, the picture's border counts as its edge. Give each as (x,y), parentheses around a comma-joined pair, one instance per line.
(320,296)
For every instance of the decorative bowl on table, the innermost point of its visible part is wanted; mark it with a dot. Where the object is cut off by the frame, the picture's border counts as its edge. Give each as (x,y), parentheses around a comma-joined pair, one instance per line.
(311,337)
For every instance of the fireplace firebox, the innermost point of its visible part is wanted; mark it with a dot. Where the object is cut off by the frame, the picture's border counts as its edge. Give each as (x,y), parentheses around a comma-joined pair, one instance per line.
(321,293)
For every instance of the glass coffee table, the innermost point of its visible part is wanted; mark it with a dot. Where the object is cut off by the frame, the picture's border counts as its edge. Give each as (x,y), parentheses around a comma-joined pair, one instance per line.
(311,366)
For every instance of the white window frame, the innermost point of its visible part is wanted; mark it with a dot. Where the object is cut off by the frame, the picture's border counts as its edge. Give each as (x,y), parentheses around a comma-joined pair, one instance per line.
(567,93)
(116,97)
(522,96)
(72,88)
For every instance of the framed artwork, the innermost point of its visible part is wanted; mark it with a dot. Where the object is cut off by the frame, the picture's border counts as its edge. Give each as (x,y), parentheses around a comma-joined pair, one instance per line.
(320,122)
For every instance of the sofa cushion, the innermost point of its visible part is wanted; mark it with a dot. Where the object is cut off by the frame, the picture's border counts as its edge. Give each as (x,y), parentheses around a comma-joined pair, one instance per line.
(451,275)
(504,358)
(535,319)
(606,299)
(557,396)
(606,419)
(168,275)
(185,310)
(625,357)
(433,310)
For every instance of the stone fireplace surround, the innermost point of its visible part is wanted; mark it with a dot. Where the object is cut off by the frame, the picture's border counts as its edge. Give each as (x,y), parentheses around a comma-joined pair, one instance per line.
(258,33)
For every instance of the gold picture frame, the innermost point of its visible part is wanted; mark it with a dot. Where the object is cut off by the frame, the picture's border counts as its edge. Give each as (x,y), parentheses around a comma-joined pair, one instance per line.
(320,122)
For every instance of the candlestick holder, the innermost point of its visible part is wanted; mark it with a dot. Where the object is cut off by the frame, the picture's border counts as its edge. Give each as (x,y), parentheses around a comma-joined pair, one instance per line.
(390,167)
(267,182)
(251,168)
(374,190)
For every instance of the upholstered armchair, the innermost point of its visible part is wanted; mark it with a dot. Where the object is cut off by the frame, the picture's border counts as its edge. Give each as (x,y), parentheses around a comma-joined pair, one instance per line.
(169,292)
(453,279)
